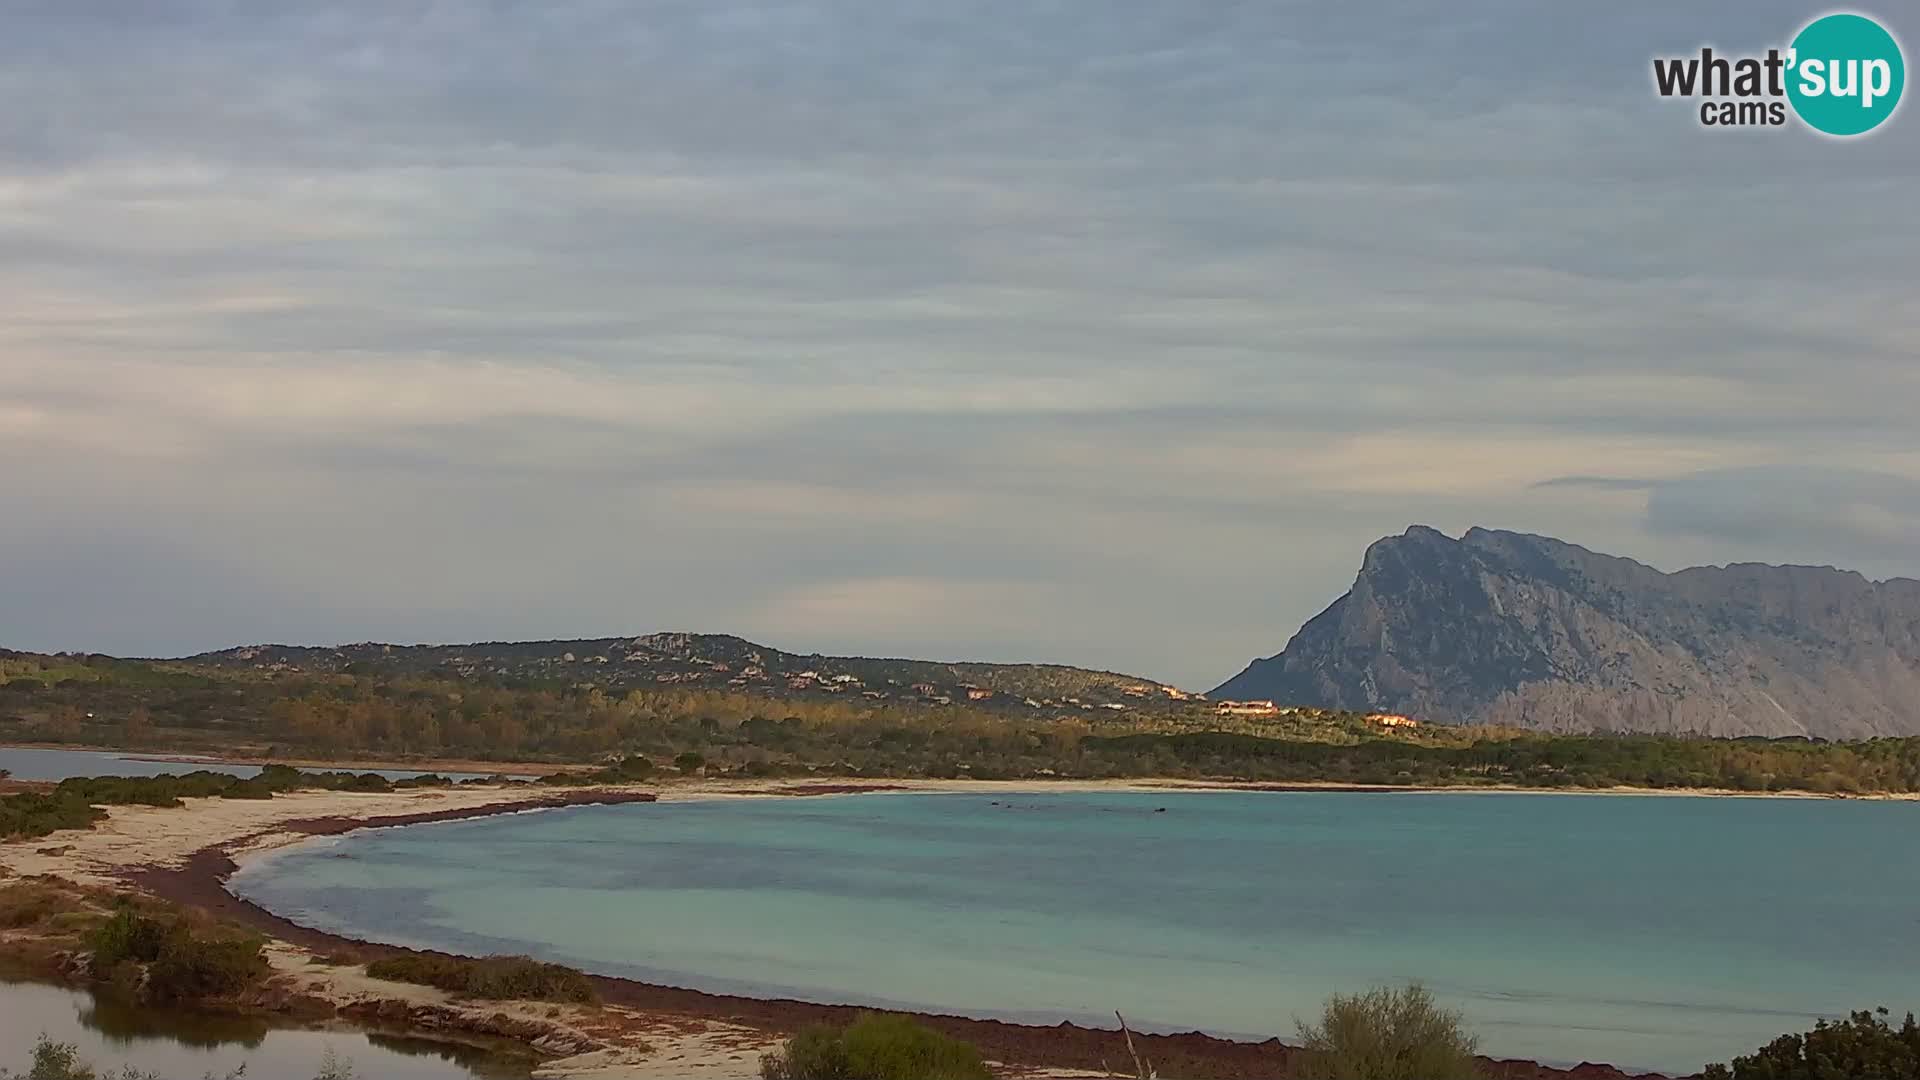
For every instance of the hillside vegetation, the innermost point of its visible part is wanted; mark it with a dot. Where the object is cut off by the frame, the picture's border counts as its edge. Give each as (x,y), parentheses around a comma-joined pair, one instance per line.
(343,716)
(712,662)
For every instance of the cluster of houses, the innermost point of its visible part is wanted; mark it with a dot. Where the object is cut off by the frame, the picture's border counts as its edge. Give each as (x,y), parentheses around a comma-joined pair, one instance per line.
(1252,708)
(1261,707)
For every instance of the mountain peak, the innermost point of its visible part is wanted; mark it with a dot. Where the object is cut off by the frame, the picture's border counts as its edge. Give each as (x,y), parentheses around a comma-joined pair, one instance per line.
(1516,628)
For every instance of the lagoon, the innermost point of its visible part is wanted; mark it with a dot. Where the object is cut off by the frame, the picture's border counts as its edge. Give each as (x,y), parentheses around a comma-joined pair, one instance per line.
(1649,932)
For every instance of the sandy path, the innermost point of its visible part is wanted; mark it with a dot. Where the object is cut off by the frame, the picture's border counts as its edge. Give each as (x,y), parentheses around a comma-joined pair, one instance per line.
(135,837)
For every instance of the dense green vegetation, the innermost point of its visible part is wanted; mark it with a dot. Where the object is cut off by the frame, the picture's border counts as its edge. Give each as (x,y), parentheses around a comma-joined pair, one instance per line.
(1387,1034)
(486,717)
(875,1047)
(99,701)
(500,978)
(1654,761)
(140,948)
(77,803)
(1862,1047)
(174,958)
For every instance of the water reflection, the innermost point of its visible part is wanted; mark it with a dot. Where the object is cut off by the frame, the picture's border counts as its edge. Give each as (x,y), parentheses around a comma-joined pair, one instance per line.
(125,1023)
(181,1045)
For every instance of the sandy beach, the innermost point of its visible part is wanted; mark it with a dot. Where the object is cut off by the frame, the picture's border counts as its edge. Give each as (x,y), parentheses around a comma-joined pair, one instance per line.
(641,1031)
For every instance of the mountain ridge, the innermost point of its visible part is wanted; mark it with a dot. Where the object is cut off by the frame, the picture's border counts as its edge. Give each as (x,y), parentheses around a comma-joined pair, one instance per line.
(715,661)
(1531,631)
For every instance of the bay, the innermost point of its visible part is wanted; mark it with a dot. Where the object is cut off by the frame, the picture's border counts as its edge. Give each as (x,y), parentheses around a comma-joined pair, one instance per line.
(1648,932)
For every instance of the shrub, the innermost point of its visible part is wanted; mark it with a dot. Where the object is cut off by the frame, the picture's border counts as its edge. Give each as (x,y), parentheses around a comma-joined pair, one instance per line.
(815,1053)
(1387,1034)
(29,903)
(1862,1047)
(423,780)
(247,789)
(874,1048)
(181,965)
(191,967)
(32,814)
(54,1061)
(518,978)
(565,779)
(127,935)
(690,762)
(631,767)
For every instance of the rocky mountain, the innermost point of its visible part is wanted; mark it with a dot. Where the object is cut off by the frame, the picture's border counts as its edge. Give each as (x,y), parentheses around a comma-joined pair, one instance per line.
(1508,628)
(718,662)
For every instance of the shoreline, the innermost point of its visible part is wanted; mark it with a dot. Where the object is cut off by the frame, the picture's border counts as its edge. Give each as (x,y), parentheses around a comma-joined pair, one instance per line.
(690,1032)
(358,764)
(708,786)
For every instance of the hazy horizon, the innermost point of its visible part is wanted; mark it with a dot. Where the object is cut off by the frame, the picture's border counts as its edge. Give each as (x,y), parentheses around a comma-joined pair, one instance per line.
(1095,335)
(802,649)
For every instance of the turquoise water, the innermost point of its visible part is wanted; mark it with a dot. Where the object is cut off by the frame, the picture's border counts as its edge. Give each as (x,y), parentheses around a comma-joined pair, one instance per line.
(1651,932)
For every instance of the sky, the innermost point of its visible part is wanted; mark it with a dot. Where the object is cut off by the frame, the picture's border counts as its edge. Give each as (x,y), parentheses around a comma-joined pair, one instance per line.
(1105,332)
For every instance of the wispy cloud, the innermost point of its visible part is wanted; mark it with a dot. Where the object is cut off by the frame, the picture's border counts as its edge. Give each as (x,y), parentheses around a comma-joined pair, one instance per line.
(1108,333)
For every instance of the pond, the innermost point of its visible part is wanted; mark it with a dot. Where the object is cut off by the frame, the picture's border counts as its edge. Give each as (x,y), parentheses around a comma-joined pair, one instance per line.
(181,1045)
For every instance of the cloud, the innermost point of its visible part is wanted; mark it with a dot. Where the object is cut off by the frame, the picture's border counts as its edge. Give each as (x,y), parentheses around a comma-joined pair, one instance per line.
(1853,516)
(557,318)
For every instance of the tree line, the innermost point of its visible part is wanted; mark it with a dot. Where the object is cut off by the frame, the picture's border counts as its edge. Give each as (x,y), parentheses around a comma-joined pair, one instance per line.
(347,717)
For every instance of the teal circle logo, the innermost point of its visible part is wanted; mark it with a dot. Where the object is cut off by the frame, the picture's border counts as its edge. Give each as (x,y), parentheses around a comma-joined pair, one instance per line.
(1845,74)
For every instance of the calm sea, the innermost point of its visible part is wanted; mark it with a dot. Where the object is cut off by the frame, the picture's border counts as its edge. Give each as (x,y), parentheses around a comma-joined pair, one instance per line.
(1651,932)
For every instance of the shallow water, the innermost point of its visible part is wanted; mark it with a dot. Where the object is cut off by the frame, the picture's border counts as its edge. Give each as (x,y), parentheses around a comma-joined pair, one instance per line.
(27,763)
(1655,932)
(184,1046)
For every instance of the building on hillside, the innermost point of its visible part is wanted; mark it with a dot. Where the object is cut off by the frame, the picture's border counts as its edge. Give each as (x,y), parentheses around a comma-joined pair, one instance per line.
(1247,708)
(1385,719)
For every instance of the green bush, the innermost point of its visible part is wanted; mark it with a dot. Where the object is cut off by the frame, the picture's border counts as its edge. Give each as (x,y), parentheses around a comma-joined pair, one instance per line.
(1862,1047)
(631,767)
(31,814)
(1387,1034)
(505,978)
(75,803)
(247,789)
(127,935)
(181,964)
(874,1048)
(815,1053)
(191,967)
